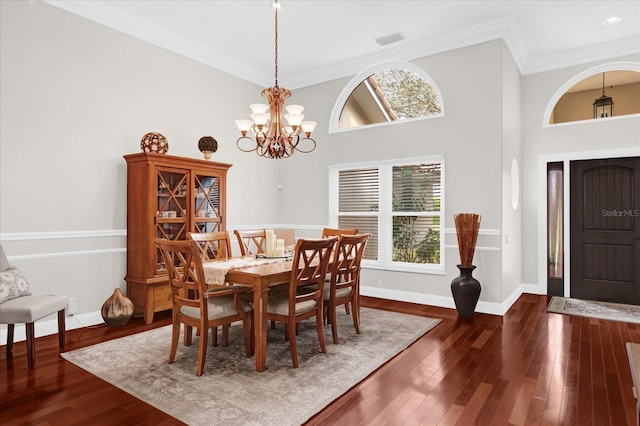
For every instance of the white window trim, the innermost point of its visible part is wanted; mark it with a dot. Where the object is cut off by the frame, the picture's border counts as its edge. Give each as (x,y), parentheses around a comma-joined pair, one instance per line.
(385,242)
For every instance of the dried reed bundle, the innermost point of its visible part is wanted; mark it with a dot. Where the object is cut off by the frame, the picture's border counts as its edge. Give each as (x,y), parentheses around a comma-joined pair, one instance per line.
(467,227)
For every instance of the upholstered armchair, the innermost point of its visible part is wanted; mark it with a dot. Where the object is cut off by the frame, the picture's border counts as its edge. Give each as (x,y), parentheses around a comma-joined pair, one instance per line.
(18,305)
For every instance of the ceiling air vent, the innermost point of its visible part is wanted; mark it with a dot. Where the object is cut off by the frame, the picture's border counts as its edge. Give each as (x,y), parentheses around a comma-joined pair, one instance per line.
(391,38)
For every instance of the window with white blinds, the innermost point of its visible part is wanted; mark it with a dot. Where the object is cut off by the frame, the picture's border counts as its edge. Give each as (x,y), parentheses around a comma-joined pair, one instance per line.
(401,203)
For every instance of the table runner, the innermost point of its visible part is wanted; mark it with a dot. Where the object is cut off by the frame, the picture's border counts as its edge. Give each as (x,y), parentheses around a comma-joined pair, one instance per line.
(216,270)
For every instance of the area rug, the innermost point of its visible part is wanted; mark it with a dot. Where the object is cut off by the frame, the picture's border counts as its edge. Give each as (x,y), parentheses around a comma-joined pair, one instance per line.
(231,392)
(595,309)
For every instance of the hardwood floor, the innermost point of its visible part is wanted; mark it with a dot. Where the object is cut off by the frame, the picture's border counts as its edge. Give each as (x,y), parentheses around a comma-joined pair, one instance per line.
(526,368)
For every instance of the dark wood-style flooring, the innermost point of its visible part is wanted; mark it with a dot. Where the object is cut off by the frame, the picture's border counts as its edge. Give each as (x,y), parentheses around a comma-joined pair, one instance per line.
(526,368)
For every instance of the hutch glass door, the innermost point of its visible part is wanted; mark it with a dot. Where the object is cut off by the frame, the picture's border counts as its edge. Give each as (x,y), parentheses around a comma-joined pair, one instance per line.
(206,203)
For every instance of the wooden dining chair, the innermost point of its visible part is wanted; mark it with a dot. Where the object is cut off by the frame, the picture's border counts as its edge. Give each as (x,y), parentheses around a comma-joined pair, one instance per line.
(198,305)
(251,242)
(310,263)
(213,246)
(344,286)
(287,235)
(336,232)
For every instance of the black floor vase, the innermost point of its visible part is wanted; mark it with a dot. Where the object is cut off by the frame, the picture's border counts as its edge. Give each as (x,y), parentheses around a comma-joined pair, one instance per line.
(466,291)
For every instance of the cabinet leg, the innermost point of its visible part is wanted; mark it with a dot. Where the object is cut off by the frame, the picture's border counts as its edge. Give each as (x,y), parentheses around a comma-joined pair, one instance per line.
(148,314)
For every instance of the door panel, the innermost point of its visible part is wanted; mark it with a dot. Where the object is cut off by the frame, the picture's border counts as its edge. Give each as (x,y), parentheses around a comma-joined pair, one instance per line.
(605,230)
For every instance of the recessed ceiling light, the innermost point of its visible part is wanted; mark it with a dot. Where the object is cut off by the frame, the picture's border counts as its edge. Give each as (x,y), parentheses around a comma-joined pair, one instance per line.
(612,20)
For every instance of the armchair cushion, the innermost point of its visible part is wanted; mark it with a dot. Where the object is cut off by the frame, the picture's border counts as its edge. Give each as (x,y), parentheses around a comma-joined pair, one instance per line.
(13,284)
(29,309)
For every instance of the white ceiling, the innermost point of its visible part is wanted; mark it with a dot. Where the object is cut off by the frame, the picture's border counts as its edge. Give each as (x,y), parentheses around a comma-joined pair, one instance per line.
(324,40)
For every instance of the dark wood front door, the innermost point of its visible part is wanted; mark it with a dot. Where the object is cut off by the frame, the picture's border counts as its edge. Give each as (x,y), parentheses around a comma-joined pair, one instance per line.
(605,230)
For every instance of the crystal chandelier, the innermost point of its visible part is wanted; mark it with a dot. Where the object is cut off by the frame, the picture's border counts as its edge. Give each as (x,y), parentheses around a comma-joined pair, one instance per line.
(273,139)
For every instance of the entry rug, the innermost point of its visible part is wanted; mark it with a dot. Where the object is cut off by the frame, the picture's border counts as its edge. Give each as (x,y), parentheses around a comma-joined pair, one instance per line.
(231,392)
(595,309)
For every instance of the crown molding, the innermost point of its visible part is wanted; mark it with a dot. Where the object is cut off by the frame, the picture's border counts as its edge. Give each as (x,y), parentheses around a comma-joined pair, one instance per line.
(616,49)
(505,29)
(101,13)
(494,30)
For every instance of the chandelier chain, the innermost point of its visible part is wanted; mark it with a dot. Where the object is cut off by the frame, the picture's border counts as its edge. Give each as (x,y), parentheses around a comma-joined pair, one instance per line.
(276,46)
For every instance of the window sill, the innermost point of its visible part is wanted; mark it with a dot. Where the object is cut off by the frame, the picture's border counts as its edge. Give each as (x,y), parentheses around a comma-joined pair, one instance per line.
(415,268)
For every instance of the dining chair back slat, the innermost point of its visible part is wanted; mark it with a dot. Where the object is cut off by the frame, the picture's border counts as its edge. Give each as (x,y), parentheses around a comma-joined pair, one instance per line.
(336,232)
(212,245)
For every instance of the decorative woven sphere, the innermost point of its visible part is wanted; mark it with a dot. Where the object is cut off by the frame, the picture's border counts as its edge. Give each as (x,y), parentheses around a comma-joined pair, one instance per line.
(154,142)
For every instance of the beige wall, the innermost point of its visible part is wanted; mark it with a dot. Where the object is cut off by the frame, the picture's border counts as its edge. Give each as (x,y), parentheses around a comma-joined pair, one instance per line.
(470,138)
(511,228)
(76,96)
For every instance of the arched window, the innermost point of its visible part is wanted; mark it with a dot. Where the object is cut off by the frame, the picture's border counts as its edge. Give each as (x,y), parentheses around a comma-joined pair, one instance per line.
(387,93)
(614,85)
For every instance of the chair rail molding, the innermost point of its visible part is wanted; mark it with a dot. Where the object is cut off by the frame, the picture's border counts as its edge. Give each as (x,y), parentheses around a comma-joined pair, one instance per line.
(57,235)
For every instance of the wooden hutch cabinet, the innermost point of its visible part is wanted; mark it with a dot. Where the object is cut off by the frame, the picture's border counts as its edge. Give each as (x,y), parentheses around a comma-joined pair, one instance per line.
(167,196)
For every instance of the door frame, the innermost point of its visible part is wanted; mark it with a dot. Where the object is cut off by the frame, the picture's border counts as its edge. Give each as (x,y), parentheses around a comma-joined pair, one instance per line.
(565,158)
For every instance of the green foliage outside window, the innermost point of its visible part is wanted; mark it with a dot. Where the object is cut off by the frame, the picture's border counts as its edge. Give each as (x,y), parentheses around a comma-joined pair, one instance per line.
(416,239)
(409,247)
(407,93)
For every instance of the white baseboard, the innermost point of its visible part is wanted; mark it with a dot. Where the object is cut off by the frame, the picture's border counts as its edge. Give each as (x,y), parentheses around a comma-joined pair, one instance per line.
(428,299)
(447,302)
(533,289)
(47,327)
(406,296)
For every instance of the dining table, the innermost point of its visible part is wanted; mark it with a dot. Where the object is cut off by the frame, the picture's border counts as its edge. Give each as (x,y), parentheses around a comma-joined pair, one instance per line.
(259,274)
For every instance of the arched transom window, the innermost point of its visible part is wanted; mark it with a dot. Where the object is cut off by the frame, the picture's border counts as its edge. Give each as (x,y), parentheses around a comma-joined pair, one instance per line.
(387,94)
(602,92)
